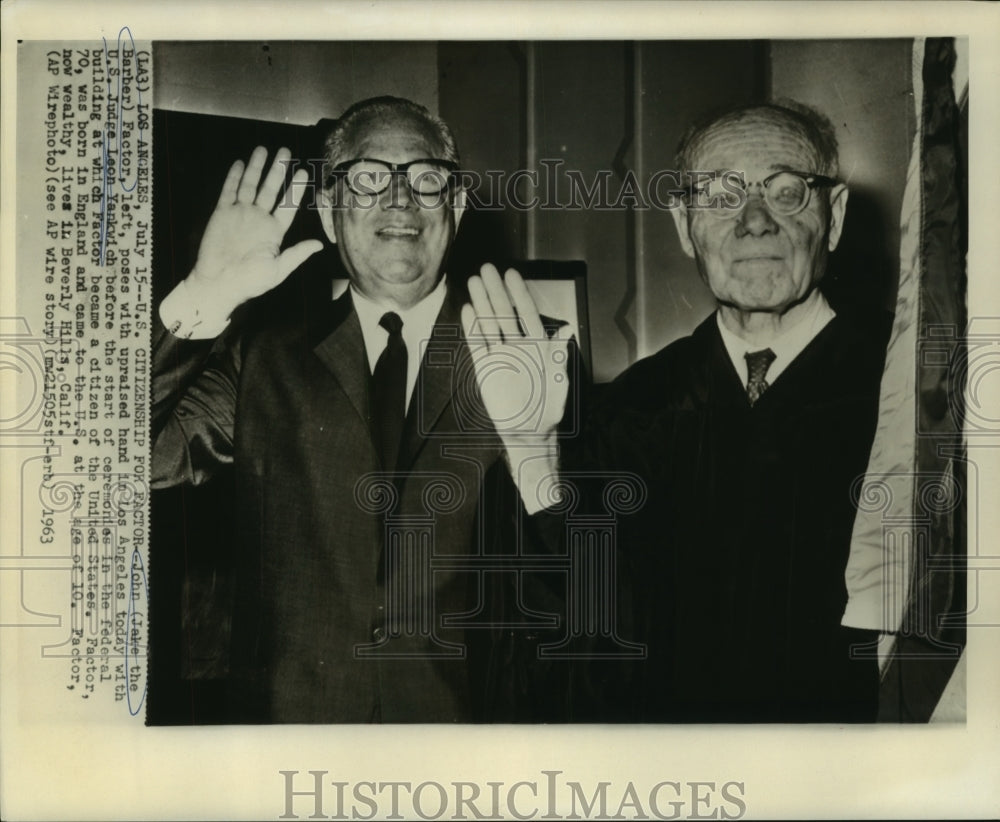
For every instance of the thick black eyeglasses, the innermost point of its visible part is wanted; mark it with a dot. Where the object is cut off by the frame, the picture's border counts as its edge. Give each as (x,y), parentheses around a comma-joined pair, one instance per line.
(785,193)
(366,176)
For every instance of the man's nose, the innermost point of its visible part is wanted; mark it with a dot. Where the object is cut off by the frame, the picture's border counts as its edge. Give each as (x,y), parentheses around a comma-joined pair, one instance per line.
(755,219)
(398,194)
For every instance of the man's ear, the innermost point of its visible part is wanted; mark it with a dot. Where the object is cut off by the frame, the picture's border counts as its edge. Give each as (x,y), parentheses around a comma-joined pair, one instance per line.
(683,224)
(838,208)
(326,215)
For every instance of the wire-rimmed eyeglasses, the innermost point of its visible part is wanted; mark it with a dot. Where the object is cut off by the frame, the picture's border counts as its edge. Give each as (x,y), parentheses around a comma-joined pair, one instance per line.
(785,192)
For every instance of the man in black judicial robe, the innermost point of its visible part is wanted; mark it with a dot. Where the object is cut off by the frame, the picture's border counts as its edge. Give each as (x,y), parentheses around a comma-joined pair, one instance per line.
(749,436)
(738,567)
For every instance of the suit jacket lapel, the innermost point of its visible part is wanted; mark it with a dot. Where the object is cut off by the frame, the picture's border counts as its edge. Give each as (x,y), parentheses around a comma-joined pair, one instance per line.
(339,344)
(721,378)
(445,359)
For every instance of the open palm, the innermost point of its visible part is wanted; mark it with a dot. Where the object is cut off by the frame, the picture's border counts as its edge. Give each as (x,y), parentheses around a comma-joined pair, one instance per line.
(520,369)
(239,257)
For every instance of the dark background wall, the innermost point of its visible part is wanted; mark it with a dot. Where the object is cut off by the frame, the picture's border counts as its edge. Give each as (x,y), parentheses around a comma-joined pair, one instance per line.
(625,106)
(594,105)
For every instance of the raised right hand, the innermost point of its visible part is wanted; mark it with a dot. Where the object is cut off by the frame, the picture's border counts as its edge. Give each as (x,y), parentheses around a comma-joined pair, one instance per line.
(239,256)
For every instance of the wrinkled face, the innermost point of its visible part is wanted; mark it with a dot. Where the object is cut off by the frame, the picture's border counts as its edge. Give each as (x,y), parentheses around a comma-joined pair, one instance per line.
(393,245)
(760,261)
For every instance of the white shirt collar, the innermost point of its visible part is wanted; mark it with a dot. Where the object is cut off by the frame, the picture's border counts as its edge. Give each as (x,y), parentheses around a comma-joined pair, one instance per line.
(786,347)
(418,322)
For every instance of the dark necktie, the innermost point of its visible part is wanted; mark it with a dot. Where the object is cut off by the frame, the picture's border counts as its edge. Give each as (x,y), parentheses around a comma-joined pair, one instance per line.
(757,364)
(389,392)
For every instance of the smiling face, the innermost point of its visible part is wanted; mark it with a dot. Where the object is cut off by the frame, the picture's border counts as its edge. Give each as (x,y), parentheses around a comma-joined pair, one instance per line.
(393,246)
(759,261)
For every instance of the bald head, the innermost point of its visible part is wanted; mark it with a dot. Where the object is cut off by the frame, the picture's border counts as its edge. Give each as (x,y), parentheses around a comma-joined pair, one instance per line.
(781,125)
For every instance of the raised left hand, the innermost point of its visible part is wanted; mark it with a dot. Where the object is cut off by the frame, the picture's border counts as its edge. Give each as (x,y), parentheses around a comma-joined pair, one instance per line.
(521,370)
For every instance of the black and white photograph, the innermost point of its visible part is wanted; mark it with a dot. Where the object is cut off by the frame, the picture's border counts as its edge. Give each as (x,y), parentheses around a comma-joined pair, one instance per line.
(343,562)
(566,420)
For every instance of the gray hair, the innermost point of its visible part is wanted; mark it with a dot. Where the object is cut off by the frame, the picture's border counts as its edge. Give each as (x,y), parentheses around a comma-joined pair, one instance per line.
(801,119)
(336,146)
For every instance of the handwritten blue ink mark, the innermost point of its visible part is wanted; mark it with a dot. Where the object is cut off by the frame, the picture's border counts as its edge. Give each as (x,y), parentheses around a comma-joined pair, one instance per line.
(113,127)
(134,627)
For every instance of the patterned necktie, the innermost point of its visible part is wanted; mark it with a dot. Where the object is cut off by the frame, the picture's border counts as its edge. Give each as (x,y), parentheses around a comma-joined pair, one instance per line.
(389,392)
(757,364)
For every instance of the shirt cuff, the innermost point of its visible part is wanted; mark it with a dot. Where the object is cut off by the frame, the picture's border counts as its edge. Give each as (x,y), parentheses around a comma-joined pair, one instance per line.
(189,313)
(535,472)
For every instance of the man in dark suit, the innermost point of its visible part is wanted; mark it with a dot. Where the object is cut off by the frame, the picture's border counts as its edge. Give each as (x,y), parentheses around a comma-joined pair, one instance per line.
(749,436)
(368,475)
